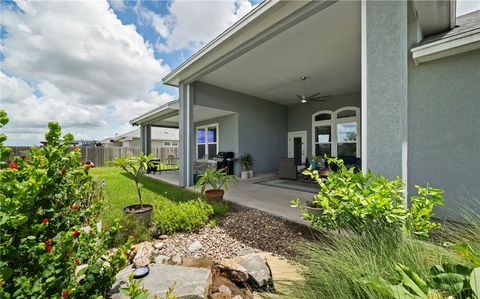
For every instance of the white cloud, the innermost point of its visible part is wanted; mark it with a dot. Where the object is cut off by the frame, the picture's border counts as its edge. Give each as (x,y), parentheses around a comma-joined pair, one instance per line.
(191,24)
(117,4)
(75,63)
(80,47)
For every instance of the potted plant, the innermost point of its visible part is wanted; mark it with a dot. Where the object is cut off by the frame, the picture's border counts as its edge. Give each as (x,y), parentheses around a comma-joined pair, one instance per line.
(247,162)
(314,206)
(136,166)
(216,178)
(314,162)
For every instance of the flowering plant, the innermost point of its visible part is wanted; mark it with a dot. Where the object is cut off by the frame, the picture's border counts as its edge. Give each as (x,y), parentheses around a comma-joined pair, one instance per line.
(50,245)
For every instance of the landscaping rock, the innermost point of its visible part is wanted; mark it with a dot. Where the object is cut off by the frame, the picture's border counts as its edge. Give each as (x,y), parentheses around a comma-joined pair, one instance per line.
(237,297)
(159,245)
(160,259)
(233,271)
(174,260)
(191,283)
(223,293)
(144,254)
(258,271)
(197,262)
(219,281)
(195,246)
(163,237)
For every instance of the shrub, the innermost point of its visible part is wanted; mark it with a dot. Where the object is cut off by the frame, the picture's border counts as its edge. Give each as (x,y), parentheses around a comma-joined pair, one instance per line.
(352,200)
(130,227)
(48,210)
(183,216)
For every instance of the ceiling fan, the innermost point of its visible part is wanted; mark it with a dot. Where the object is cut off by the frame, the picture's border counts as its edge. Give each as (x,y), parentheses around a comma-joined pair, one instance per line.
(313,98)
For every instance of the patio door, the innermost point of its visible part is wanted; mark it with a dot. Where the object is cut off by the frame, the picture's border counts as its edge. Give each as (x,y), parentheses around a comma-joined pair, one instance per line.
(297,146)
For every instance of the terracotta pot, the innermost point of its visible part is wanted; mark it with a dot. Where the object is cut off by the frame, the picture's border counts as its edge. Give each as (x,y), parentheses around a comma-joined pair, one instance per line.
(143,214)
(214,195)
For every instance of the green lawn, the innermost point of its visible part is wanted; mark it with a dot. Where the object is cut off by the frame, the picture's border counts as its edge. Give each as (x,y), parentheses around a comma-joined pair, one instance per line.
(120,192)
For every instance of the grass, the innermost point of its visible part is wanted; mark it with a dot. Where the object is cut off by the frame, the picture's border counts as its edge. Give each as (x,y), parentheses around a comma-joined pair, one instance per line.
(120,192)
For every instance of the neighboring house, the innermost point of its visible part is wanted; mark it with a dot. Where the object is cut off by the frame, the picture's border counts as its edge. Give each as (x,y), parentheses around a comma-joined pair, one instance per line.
(404,80)
(160,137)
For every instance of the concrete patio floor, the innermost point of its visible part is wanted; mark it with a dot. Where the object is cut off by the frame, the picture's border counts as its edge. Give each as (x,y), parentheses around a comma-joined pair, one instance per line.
(271,200)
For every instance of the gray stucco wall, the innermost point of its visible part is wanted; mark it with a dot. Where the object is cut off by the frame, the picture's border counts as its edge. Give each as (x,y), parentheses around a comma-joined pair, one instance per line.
(444,129)
(300,115)
(227,134)
(385,113)
(262,125)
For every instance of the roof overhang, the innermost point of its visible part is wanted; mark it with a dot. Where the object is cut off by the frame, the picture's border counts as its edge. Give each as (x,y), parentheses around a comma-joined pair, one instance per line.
(435,16)
(452,45)
(262,23)
(163,112)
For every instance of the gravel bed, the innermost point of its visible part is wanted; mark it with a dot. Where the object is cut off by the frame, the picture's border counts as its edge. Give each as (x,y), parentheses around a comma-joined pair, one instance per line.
(241,231)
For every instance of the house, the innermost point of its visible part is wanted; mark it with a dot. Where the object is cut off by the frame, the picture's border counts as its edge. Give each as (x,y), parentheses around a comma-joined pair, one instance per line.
(399,80)
(160,137)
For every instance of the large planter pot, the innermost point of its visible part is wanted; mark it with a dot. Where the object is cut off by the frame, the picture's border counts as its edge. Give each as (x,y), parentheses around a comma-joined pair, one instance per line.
(143,214)
(214,195)
(244,175)
(315,211)
(250,174)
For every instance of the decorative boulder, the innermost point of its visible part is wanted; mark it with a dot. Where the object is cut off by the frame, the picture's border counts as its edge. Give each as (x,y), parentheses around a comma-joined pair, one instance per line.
(145,254)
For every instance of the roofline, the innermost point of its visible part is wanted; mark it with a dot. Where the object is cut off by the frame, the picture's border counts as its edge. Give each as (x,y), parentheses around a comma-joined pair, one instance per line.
(153,111)
(452,45)
(250,16)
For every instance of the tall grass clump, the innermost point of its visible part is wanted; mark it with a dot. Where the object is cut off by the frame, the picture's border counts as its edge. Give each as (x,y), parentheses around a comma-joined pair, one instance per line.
(339,265)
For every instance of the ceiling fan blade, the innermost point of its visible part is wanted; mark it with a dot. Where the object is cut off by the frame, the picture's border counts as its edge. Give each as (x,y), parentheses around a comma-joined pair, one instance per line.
(314,95)
(317,98)
(300,97)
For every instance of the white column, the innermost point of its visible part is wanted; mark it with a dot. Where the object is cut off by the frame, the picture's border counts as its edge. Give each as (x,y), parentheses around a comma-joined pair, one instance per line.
(187,135)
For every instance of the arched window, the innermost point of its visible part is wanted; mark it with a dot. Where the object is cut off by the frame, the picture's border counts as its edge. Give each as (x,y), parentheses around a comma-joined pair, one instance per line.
(336,133)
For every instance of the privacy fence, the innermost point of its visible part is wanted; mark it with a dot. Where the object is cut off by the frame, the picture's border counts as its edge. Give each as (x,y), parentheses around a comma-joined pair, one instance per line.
(100,155)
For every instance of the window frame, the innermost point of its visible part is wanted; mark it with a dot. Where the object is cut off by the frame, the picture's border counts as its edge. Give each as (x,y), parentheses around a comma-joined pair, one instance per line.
(217,142)
(333,122)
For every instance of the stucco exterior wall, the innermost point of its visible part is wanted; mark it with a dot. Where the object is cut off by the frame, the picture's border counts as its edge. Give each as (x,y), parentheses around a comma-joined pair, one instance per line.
(227,135)
(444,129)
(300,115)
(262,125)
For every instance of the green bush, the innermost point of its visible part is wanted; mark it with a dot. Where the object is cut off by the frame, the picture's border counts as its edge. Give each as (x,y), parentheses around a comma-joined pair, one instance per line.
(183,216)
(47,200)
(356,201)
(130,227)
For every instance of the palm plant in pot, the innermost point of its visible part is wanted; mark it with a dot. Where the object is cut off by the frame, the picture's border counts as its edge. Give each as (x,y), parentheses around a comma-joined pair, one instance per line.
(247,162)
(217,179)
(136,166)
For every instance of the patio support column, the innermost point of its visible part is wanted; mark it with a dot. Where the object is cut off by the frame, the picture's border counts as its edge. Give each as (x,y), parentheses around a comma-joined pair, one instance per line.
(146,139)
(187,135)
(384,87)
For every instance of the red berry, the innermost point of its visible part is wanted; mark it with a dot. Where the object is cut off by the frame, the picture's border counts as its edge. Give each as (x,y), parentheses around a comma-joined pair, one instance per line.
(126,255)
(49,248)
(74,206)
(13,165)
(45,220)
(63,171)
(75,233)
(76,261)
(65,294)
(47,242)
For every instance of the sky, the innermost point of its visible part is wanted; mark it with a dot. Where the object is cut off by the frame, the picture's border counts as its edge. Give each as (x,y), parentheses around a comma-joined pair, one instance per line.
(94,65)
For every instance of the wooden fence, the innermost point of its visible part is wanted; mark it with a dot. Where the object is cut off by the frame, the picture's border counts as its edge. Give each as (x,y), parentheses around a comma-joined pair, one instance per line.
(100,155)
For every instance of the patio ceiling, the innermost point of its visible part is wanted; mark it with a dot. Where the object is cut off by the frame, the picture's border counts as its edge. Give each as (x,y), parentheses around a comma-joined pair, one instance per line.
(326,47)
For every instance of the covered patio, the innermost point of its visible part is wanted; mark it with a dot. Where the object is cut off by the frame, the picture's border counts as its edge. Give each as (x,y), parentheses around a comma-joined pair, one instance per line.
(252,194)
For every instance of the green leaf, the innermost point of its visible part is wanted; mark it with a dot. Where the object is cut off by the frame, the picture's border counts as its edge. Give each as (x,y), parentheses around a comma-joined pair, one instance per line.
(475,281)
(412,280)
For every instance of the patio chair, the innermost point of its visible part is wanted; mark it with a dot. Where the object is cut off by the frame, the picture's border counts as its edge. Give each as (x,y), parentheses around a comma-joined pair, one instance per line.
(287,169)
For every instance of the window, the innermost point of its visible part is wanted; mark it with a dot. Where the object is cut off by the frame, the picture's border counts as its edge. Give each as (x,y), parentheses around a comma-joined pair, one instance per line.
(174,143)
(166,143)
(335,133)
(207,142)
